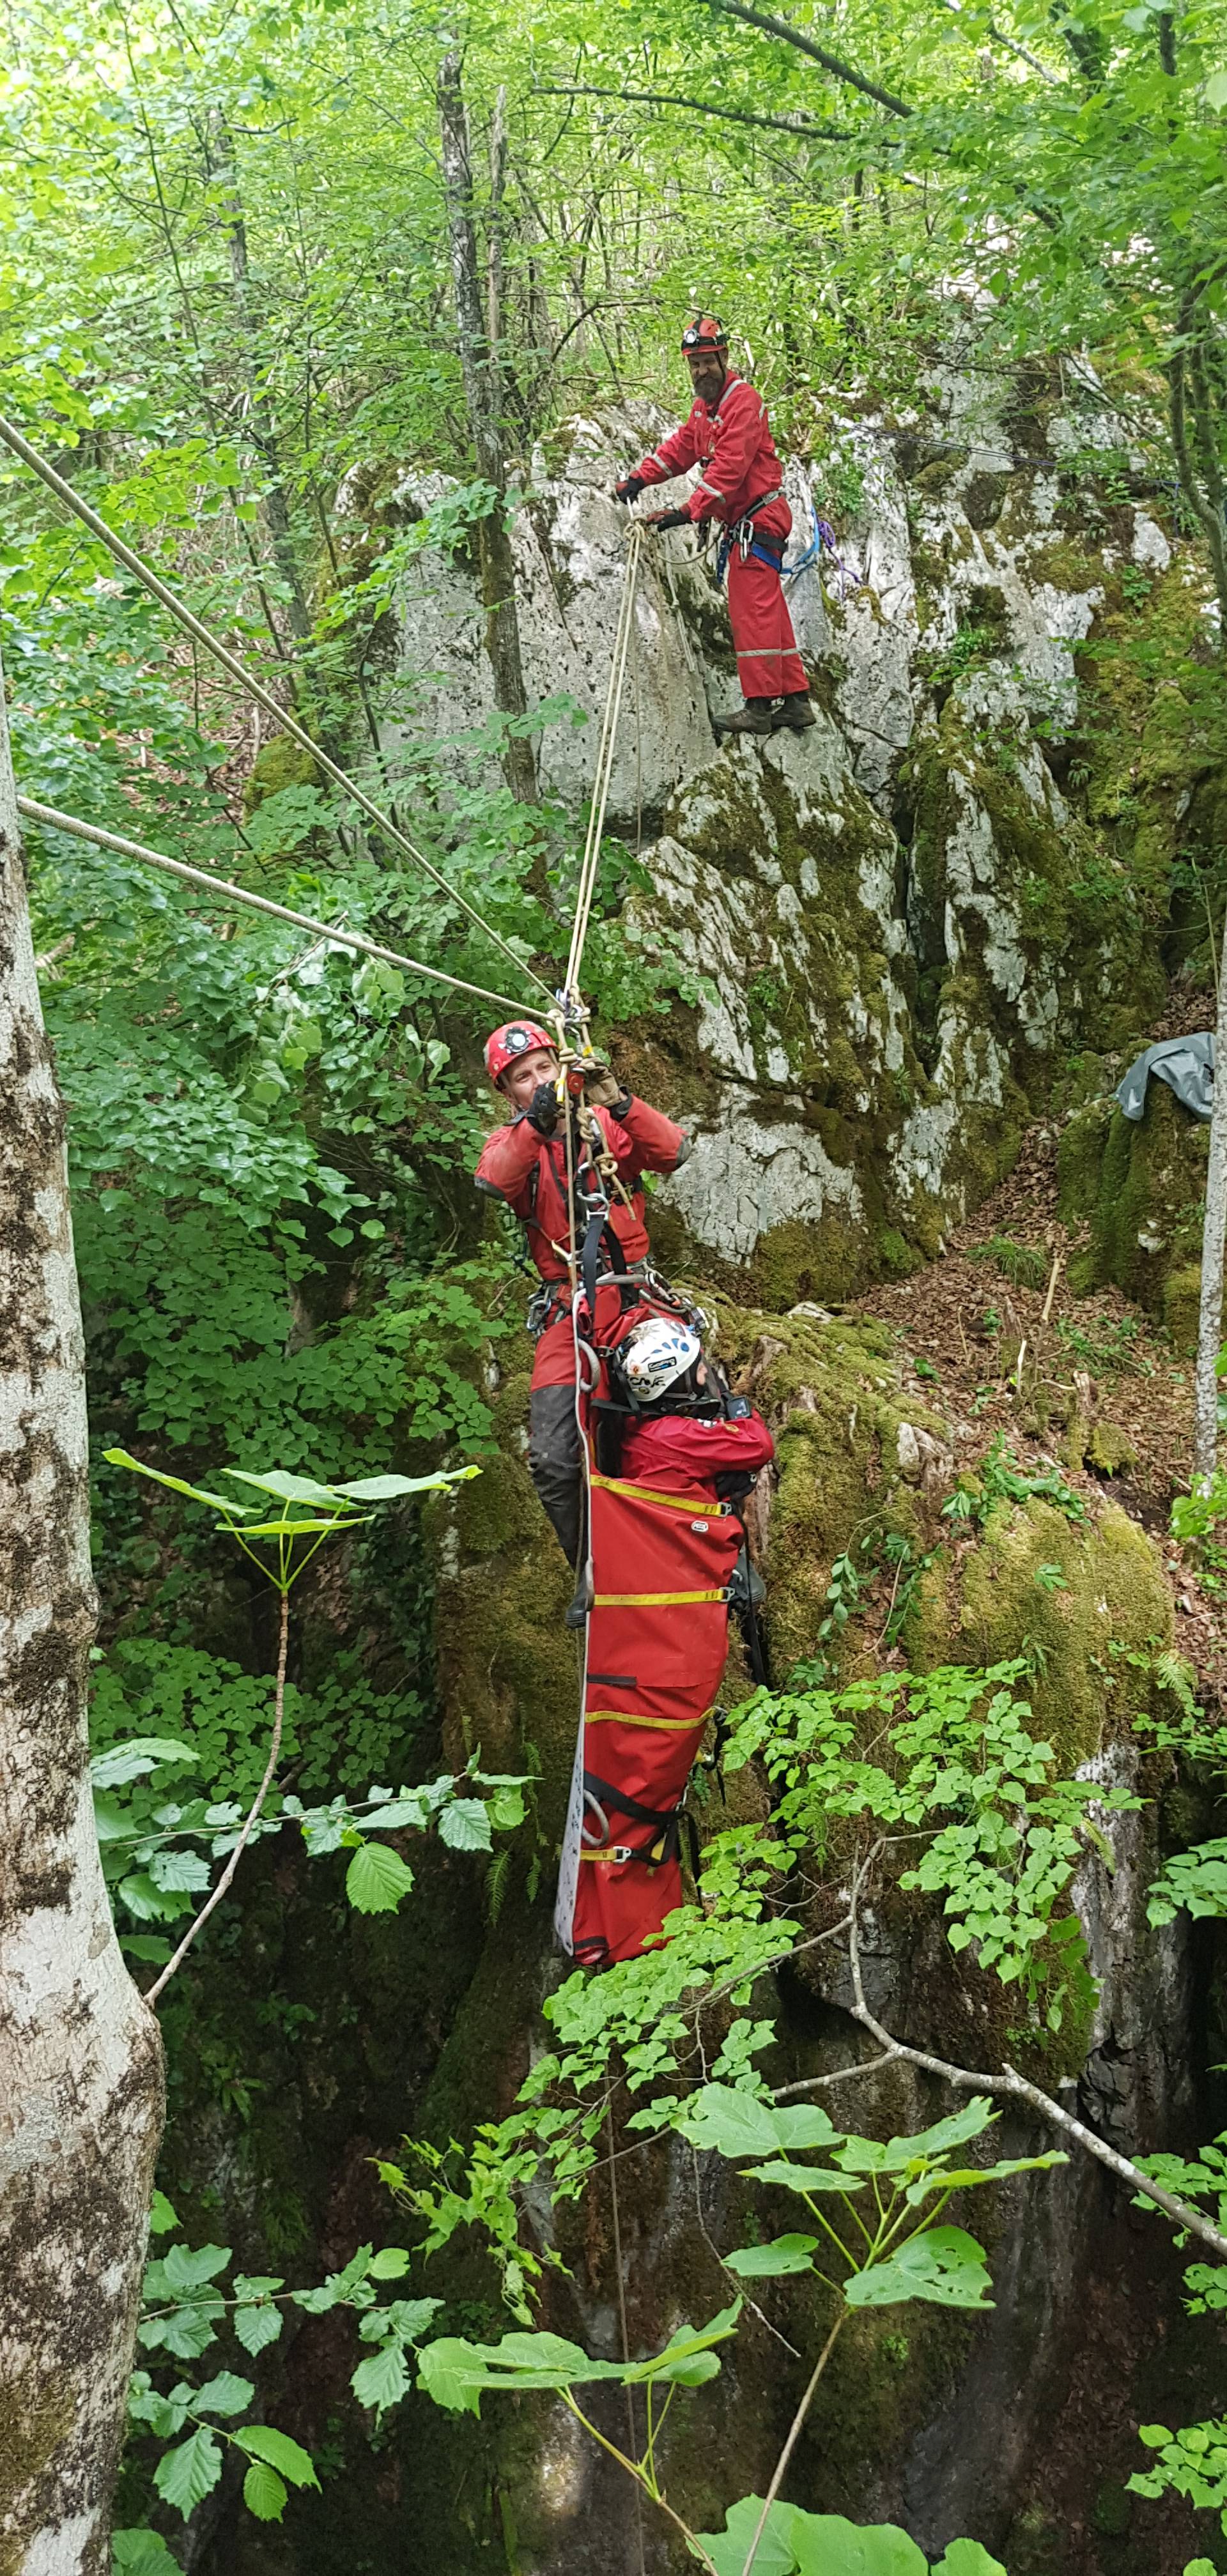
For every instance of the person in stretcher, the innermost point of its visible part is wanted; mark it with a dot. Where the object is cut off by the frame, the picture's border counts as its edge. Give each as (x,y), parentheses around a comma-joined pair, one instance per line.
(665,1536)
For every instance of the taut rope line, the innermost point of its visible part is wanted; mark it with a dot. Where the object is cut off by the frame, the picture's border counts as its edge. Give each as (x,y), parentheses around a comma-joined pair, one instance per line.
(247,681)
(224,891)
(604,765)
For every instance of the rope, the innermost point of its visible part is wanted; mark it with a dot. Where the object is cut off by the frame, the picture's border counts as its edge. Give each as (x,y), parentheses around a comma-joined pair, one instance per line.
(221,888)
(247,680)
(604,765)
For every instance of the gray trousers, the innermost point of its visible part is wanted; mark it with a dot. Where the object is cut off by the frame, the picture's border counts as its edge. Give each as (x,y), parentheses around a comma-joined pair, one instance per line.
(555,1463)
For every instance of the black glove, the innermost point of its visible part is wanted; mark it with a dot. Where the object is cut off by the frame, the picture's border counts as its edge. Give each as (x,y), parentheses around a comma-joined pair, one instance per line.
(630,489)
(542,1110)
(663,519)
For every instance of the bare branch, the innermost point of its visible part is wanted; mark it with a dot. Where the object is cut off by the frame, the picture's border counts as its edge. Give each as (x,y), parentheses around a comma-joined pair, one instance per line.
(1017,2088)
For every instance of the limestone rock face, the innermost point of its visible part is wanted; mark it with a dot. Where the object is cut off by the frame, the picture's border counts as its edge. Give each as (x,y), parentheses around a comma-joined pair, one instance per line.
(900,922)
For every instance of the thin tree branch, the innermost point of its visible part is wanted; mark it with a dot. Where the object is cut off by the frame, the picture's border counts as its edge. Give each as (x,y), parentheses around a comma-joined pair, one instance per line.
(790,35)
(199,1920)
(795,124)
(794,2435)
(1018,2089)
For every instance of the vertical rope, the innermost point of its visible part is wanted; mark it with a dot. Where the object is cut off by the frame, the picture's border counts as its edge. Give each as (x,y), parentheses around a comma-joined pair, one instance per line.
(626,2345)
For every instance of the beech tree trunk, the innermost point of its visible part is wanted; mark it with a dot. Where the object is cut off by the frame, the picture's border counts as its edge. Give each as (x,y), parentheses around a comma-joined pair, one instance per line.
(479,366)
(81,2095)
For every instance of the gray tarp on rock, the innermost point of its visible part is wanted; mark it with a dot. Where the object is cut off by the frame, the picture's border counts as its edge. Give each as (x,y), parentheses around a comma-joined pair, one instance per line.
(1186,1063)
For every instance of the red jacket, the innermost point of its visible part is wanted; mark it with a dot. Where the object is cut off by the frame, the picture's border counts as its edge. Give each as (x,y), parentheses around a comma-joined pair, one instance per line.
(733,444)
(676,1452)
(530,1172)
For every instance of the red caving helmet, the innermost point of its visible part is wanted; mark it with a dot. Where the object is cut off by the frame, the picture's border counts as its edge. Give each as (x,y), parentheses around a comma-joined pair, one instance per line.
(705,332)
(506,1045)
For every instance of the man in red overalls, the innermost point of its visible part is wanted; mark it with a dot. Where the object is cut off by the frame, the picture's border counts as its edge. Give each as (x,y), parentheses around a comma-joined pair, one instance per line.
(525,1164)
(728,435)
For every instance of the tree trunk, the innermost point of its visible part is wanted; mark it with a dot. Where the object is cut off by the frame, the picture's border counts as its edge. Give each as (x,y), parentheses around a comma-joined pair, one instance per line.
(1210,1318)
(224,169)
(480,371)
(81,2102)
(1197,459)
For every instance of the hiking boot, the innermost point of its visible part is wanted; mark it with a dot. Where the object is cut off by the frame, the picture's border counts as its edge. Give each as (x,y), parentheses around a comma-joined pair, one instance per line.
(795,712)
(754,717)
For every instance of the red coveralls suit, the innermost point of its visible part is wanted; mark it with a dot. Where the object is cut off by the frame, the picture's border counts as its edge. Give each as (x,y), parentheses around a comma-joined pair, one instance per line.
(732,443)
(530,1172)
(663,1548)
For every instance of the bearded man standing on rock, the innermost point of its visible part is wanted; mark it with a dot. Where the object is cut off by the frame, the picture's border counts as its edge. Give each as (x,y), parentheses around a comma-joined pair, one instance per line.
(728,435)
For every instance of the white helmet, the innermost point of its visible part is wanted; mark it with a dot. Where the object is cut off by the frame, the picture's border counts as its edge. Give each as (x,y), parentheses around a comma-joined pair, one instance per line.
(655,1355)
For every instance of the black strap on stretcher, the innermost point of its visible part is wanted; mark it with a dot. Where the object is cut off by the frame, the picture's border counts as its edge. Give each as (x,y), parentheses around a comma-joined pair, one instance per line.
(665,1821)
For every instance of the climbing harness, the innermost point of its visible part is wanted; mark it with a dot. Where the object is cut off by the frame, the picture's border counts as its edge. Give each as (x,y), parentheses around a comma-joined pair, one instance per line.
(751,543)
(254,688)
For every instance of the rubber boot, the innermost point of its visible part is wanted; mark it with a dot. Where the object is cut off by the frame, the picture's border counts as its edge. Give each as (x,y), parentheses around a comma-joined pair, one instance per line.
(754,717)
(795,713)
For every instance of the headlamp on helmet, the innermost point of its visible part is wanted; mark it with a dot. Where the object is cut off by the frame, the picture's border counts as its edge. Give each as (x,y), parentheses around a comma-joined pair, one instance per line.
(705,332)
(515,1039)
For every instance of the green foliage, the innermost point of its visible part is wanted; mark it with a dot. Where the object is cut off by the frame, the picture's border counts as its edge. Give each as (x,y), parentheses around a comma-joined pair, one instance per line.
(456,2373)
(891,2252)
(1023,1264)
(956,1758)
(1190,2463)
(184,2308)
(796,2543)
(1000,1479)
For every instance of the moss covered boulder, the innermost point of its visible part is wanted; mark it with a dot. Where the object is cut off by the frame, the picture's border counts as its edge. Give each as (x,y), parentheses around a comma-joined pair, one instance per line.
(1135,1190)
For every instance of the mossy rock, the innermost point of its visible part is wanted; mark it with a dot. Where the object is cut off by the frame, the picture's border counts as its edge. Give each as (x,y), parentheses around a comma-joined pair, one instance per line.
(1139,1185)
(1109,1450)
(1107,1592)
(279,764)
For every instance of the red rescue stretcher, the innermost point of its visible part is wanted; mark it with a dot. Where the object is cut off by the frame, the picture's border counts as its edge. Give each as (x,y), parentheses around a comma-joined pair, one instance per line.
(663,1549)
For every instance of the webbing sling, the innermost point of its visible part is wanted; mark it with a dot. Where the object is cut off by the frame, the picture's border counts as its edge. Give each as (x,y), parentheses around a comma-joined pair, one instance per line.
(665,1823)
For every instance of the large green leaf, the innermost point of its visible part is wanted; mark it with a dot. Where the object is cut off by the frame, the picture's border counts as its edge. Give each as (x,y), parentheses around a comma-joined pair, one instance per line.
(465,1825)
(376,1879)
(738,2124)
(815,2178)
(868,2155)
(195,1493)
(943,2265)
(824,2544)
(142,2553)
(795,2543)
(382,2379)
(771,2262)
(264,2493)
(184,2477)
(727,2549)
(456,2373)
(256,2327)
(264,2442)
(227,2394)
(136,1759)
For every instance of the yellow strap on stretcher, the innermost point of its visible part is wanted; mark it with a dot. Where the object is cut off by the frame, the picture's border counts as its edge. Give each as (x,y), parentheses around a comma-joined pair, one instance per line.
(652,1600)
(692,1503)
(665,1725)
